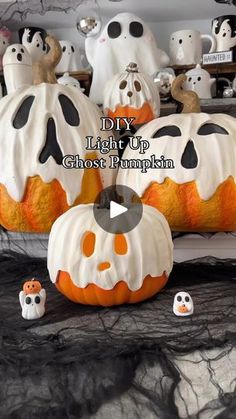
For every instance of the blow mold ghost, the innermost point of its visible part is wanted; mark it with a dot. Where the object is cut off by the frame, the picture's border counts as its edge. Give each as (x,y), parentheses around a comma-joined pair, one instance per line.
(125,38)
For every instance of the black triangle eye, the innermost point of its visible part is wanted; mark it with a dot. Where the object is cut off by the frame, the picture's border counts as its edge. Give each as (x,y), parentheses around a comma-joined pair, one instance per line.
(208,129)
(169,131)
(22,114)
(114,30)
(136,29)
(70,113)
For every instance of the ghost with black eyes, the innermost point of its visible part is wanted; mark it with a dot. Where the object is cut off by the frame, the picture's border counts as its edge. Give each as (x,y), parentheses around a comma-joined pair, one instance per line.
(17,68)
(33,304)
(71,59)
(183,304)
(125,39)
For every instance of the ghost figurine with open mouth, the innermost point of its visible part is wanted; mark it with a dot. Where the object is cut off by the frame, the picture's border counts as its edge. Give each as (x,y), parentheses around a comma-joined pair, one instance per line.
(17,68)
(183,304)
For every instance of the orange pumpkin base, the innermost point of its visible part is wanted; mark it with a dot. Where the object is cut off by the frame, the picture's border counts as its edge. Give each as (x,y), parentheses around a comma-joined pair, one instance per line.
(141,115)
(120,294)
(186,211)
(43,203)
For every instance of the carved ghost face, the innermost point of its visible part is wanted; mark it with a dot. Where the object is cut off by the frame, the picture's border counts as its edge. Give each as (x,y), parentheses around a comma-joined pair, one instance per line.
(183,304)
(16,54)
(33,305)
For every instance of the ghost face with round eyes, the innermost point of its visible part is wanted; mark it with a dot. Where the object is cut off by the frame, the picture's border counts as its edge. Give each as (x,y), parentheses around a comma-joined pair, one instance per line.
(33,305)
(125,39)
(70,59)
(183,304)
(17,67)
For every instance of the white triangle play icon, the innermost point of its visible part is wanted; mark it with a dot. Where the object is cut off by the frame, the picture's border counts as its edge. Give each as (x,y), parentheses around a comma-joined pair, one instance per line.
(116,209)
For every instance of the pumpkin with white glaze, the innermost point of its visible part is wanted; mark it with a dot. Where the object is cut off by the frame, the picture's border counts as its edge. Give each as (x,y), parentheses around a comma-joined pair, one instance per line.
(91,266)
(132,94)
(39,125)
(199,193)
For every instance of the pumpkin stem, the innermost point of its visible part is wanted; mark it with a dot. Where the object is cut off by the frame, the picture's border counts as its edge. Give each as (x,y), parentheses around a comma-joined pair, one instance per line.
(132,68)
(189,99)
(44,69)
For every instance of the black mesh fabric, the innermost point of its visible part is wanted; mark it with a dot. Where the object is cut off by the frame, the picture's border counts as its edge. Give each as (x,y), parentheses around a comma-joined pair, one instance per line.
(137,361)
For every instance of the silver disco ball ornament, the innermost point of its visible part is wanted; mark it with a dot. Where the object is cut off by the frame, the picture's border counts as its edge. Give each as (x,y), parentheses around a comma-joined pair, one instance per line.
(88,26)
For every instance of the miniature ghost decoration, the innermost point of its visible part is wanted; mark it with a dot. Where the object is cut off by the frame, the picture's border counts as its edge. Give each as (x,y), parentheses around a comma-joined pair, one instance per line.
(199,81)
(34,43)
(5,36)
(71,59)
(183,304)
(125,39)
(67,80)
(33,304)
(224,35)
(17,68)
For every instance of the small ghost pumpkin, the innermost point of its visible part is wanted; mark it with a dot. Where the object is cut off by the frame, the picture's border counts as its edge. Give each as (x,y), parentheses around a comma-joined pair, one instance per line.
(94,267)
(39,125)
(132,95)
(195,189)
(32,286)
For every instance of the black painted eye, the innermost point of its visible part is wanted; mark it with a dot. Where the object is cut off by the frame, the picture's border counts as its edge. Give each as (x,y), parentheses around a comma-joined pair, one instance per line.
(37,299)
(187,299)
(170,131)
(13,50)
(22,50)
(123,84)
(72,48)
(199,79)
(114,30)
(63,49)
(28,300)
(190,79)
(179,298)
(136,29)
(37,45)
(22,114)
(190,36)
(70,113)
(137,86)
(208,129)
(4,42)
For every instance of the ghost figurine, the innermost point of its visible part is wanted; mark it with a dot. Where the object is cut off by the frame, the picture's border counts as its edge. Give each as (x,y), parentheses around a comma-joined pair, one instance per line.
(224,35)
(71,59)
(17,68)
(33,304)
(183,304)
(125,39)
(33,40)
(67,80)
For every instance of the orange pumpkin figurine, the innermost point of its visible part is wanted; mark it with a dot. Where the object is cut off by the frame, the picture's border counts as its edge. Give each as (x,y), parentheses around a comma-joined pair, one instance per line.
(31,287)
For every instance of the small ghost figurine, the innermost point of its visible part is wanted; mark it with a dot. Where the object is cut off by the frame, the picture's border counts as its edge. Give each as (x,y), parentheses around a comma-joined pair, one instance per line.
(183,304)
(67,80)
(32,300)
(17,68)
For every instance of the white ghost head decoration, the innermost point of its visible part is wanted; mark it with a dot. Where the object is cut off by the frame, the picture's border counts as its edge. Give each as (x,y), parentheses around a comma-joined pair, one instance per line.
(67,80)
(17,67)
(33,305)
(183,304)
(199,81)
(125,39)
(225,35)
(71,59)
(33,40)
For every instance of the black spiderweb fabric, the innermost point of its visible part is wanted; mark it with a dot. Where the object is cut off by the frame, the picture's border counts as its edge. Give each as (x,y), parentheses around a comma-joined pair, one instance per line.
(137,361)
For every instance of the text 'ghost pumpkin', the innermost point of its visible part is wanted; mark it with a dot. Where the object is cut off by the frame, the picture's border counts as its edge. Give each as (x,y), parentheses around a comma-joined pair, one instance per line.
(94,267)
(39,125)
(199,193)
(132,95)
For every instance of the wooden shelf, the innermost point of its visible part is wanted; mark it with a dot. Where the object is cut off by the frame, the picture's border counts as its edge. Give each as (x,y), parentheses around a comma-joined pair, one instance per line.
(212,69)
(227,106)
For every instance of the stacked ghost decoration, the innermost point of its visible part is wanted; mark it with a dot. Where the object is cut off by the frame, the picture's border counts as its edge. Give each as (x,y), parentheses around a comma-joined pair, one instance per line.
(125,39)
(32,300)
(71,59)
(17,68)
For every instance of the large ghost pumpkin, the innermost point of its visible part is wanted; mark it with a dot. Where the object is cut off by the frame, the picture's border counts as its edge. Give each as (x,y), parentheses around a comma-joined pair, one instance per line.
(91,266)
(195,190)
(38,126)
(132,94)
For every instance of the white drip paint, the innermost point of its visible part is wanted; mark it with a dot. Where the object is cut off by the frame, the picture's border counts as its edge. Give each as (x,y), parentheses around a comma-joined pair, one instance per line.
(216,154)
(150,250)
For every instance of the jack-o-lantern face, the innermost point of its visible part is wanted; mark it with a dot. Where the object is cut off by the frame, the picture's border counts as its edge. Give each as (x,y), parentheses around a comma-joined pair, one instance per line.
(99,263)
(32,287)
(39,126)
(132,94)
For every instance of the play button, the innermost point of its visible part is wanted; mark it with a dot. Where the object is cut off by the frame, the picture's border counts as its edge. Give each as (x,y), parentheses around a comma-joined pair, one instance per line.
(118,209)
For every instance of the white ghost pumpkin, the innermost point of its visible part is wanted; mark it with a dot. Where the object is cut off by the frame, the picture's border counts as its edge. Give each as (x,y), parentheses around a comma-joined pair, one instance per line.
(94,267)
(33,305)
(17,68)
(183,304)
(71,59)
(125,39)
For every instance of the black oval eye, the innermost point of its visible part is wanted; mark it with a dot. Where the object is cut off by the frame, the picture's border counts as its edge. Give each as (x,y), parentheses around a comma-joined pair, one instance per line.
(37,299)
(4,42)
(22,114)
(137,86)
(13,50)
(179,298)
(72,48)
(136,29)
(190,36)
(199,79)
(114,30)
(187,299)
(70,113)
(22,50)
(190,79)
(63,49)
(123,84)
(170,131)
(28,300)
(37,45)
(32,285)
(208,129)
